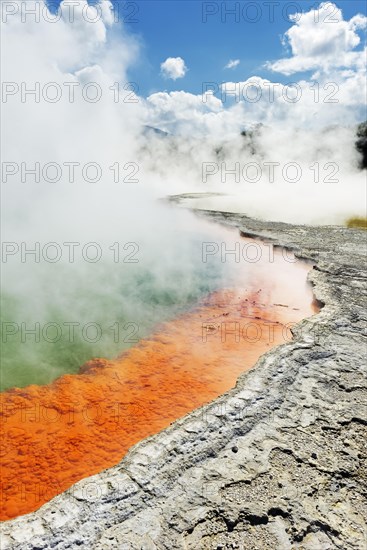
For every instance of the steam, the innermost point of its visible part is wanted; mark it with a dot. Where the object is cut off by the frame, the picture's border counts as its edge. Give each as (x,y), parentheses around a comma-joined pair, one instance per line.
(144,285)
(62,157)
(279,174)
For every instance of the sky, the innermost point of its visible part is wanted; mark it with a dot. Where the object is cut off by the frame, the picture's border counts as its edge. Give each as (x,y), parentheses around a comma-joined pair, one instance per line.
(207,37)
(177,29)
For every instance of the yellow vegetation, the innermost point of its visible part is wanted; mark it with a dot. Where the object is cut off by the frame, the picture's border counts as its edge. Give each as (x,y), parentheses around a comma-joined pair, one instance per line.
(357,222)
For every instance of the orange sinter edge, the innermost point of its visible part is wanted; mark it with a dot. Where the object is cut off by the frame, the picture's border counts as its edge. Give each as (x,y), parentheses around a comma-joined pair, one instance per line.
(57,434)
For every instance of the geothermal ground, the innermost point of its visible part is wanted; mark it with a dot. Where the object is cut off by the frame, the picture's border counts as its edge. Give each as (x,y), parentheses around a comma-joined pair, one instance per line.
(278,462)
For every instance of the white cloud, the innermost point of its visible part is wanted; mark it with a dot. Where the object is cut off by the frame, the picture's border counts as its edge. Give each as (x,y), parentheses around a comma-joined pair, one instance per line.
(335,98)
(173,67)
(186,113)
(321,39)
(232,64)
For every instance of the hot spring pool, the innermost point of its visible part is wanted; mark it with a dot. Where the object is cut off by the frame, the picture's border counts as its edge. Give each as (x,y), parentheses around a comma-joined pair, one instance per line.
(185,324)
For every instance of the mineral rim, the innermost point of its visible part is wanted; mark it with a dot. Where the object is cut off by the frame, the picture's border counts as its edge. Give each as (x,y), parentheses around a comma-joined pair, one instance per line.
(278,462)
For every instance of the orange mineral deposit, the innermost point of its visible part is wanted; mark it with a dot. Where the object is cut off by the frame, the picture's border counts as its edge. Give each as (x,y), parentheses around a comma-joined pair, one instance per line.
(57,434)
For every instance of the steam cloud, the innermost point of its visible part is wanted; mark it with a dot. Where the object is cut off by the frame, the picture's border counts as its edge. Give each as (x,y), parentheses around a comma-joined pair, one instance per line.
(203,132)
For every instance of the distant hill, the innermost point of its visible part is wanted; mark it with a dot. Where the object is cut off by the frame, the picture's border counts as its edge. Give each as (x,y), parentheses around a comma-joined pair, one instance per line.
(361,143)
(151,130)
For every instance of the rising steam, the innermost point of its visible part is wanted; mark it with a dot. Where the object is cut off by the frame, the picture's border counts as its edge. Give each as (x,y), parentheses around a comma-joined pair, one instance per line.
(80,171)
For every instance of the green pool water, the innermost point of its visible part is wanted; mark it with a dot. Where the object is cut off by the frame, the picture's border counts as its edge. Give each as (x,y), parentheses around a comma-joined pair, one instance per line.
(58,316)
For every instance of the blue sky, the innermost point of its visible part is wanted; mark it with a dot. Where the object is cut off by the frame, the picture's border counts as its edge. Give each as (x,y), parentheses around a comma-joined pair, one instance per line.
(176,28)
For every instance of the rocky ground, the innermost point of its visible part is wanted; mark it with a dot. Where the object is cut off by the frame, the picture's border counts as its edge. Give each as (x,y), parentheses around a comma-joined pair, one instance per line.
(277,463)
